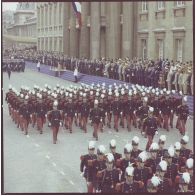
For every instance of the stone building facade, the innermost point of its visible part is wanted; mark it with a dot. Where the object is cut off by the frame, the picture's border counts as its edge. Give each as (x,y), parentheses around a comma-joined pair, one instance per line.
(118,29)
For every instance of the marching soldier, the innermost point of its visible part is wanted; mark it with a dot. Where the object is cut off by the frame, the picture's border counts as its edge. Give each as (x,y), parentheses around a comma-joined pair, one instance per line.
(87,166)
(100,166)
(153,160)
(116,109)
(96,117)
(165,183)
(150,124)
(161,144)
(183,115)
(113,151)
(184,151)
(166,111)
(129,185)
(177,159)
(153,184)
(129,110)
(172,169)
(141,172)
(85,110)
(108,106)
(54,117)
(41,111)
(71,112)
(183,182)
(142,113)
(124,162)
(189,167)
(135,151)
(25,112)
(110,175)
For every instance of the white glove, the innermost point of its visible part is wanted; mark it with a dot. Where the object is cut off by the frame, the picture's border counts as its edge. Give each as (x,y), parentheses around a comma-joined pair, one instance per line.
(106,113)
(171,111)
(134,112)
(188,117)
(143,133)
(121,113)
(75,114)
(156,133)
(45,115)
(31,116)
(159,112)
(61,124)
(101,119)
(49,124)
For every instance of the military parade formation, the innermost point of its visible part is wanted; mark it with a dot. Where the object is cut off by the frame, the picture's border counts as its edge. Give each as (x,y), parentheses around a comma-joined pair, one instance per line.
(136,107)
(155,170)
(145,106)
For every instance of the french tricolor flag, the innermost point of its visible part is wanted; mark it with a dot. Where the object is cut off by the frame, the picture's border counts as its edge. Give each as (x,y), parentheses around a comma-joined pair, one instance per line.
(77,10)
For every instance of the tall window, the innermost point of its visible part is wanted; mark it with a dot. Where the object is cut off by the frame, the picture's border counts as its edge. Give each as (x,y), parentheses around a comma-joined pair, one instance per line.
(160,5)
(179,3)
(179,49)
(144,6)
(160,48)
(144,49)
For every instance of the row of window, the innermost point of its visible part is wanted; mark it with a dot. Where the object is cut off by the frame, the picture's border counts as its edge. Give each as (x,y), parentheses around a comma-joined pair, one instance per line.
(160,5)
(160,49)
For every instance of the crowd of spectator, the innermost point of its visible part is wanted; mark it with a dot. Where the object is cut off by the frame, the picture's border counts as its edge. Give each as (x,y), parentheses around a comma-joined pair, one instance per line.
(162,73)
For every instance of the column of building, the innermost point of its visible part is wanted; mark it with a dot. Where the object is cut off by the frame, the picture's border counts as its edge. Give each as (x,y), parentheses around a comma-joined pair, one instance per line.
(151,38)
(103,29)
(127,30)
(84,31)
(73,34)
(95,30)
(66,39)
(114,30)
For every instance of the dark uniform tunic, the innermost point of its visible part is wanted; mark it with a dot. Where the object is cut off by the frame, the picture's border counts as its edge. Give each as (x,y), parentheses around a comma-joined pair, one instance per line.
(88,163)
(109,181)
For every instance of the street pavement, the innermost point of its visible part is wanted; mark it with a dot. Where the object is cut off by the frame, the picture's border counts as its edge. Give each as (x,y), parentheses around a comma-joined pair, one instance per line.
(33,163)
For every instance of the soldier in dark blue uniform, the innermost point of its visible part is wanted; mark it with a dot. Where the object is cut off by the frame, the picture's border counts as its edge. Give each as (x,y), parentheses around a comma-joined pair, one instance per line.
(116,109)
(110,176)
(41,111)
(84,109)
(96,118)
(165,183)
(100,166)
(141,172)
(166,111)
(113,151)
(70,106)
(135,150)
(183,115)
(172,168)
(153,160)
(129,185)
(189,168)
(87,166)
(161,144)
(25,112)
(55,118)
(151,127)
(124,162)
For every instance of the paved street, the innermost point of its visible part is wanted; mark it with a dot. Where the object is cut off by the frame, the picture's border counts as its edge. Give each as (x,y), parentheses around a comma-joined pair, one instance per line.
(33,164)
